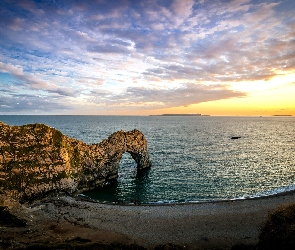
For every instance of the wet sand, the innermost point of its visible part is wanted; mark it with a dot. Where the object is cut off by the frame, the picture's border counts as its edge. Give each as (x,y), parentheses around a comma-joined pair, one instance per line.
(207,225)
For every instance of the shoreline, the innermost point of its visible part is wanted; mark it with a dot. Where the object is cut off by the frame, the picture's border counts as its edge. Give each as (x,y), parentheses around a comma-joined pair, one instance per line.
(206,225)
(81,197)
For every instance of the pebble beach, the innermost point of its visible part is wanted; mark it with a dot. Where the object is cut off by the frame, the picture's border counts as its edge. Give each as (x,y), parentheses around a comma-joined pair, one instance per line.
(208,225)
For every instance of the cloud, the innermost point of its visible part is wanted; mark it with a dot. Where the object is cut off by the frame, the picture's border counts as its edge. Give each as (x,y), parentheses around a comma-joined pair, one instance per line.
(16,24)
(108,48)
(132,52)
(30,6)
(30,104)
(35,82)
(63,91)
(184,95)
(9,68)
(182,8)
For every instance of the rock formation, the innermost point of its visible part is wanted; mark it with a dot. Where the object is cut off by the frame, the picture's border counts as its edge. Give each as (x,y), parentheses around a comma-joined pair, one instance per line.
(36,160)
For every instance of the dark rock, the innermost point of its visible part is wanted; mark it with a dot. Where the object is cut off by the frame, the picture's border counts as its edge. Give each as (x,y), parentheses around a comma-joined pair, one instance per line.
(235,137)
(9,220)
(279,229)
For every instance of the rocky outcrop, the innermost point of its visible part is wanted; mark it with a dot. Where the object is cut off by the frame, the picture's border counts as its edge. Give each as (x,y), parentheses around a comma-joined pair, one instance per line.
(36,160)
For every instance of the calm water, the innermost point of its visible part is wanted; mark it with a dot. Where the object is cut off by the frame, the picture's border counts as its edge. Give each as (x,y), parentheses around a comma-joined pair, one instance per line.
(193,158)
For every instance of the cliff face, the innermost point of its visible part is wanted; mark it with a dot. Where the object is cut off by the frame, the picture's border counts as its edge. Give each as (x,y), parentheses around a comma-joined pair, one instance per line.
(36,160)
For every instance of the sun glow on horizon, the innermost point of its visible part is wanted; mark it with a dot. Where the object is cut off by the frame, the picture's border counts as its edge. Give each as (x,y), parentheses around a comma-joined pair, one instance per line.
(210,57)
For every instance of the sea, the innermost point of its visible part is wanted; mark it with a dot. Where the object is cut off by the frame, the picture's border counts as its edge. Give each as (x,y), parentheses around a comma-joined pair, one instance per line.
(194,158)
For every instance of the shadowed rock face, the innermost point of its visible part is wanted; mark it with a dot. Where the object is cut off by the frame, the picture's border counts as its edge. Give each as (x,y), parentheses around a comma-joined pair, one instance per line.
(36,160)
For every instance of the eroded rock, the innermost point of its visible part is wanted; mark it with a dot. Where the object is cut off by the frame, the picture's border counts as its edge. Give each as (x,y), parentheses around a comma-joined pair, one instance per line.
(36,159)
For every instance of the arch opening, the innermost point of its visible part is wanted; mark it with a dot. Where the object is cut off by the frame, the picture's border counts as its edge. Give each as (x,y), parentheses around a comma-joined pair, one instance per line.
(127,167)
(131,185)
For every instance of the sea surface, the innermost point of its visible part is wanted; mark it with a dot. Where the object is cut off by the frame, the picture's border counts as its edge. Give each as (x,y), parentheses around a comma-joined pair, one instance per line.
(193,158)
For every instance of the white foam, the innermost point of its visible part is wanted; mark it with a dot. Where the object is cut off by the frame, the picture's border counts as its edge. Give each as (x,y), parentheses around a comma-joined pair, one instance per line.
(271,192)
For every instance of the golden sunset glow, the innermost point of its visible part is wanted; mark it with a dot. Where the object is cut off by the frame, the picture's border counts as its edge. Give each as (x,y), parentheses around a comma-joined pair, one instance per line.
(130,58)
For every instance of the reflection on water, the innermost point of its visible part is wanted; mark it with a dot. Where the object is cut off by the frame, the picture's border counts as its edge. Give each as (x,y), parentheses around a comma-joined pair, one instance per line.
(131,186)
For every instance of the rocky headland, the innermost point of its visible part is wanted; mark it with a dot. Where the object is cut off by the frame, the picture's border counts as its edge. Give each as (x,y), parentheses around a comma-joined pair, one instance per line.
(37,160)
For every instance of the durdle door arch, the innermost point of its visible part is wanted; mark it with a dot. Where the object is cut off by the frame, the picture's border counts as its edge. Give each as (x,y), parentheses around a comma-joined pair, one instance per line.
(112,150)
(36,160)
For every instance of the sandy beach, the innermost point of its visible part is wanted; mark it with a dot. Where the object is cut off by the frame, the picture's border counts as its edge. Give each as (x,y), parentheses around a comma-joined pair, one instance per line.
(210,225)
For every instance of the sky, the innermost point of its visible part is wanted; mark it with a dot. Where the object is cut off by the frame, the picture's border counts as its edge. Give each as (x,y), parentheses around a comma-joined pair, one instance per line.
(130,57)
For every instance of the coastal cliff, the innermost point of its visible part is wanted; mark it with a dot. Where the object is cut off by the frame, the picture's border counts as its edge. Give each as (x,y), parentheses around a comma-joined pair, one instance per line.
(36,160)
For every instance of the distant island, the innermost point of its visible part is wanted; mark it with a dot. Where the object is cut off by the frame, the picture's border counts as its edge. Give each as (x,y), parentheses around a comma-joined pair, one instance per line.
(180,115)
(282,115)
